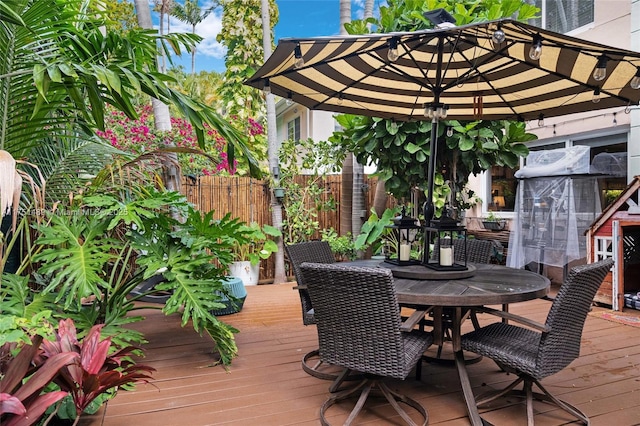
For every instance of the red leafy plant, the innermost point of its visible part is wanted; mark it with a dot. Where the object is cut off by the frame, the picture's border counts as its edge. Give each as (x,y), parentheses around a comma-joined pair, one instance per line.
(83,369)
(22,402)
(95,372)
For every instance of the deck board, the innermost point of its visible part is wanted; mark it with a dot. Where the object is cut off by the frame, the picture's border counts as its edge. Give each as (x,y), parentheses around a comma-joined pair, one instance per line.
(265,384)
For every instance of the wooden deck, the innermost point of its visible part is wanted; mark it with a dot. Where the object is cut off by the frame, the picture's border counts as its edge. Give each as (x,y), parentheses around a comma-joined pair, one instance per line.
(266,385)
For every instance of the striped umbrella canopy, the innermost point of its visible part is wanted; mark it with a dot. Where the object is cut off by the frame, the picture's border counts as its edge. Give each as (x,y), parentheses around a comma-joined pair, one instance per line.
(492,70)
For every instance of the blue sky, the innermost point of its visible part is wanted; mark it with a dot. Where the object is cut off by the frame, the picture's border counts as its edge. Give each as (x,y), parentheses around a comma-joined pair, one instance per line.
(298,18)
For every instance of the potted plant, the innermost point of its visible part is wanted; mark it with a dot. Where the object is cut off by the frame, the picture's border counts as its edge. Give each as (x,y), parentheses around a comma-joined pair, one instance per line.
(375,234)
(253,246)
(494,222)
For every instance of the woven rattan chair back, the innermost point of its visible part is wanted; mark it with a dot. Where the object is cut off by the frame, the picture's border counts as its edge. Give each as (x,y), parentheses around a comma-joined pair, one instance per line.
(567,316)
(358,318)
(359,328)
(308,251)
(477,251)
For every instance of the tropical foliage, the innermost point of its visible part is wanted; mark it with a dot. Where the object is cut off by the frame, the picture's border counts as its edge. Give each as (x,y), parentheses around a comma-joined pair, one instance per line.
(102,227)
(60,71)
(242,35)
(303,201)
(401,150)
(83,370)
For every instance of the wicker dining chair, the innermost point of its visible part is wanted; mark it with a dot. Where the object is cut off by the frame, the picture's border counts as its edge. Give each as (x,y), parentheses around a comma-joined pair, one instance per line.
(540,350)
(318,252)
(360,328)
(477,251)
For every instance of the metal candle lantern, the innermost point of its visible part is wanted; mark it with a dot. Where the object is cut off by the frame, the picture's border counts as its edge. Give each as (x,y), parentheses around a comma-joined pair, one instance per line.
(443,232)
(405,231)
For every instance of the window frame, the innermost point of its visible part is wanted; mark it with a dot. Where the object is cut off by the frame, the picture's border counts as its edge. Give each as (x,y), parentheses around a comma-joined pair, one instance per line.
(294,125)
(573,31)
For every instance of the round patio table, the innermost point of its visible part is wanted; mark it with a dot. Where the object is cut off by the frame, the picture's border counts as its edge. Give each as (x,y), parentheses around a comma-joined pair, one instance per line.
(490,285)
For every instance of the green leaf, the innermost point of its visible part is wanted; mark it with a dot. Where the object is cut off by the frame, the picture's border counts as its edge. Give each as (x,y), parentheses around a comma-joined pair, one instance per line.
(520,149)
(412,148)
(392,127)
(466,144)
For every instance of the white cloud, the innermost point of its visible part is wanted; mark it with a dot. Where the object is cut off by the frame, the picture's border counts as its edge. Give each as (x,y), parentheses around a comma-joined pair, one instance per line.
(208,29)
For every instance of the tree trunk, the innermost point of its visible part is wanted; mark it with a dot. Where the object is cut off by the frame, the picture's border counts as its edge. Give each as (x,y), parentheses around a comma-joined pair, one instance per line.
(161,115)
(368,9)
(358,210)
(345,195)
(163,62)
(272,151)
(347,217)
(193,55)
(380,198)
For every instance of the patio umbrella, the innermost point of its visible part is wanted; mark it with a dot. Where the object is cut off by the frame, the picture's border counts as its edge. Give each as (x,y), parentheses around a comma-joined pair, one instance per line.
(493,70)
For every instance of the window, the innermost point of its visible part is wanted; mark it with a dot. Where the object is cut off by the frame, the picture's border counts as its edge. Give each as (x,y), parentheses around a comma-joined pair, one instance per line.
(293,129)
(563,16)
(503,189)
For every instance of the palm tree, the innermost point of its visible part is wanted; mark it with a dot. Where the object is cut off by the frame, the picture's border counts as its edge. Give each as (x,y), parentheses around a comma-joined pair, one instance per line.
(59,72)
(273,147)
(164,7)
(161,114)
(346,198)
(380,197)
(192,14)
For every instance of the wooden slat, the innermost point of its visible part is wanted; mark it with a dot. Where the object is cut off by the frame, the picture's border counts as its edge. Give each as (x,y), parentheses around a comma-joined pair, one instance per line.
(265,385)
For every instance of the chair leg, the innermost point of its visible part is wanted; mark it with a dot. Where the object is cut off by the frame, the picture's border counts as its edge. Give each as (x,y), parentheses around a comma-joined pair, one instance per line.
(315,367)
(492,396)
(335,386)
(529,395)
(366,387)
(547,397)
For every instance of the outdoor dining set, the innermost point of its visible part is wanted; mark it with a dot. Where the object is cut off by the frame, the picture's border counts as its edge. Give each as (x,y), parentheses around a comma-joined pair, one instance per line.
(375,321)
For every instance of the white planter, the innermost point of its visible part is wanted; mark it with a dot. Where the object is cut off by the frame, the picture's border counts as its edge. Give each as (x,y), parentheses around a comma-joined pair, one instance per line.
(248,273)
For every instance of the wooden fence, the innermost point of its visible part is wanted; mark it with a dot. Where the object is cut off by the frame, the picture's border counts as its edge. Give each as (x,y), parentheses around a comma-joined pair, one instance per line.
(248,199)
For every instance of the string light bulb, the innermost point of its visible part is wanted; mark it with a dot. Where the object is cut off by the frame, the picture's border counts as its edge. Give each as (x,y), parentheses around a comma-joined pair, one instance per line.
(536,47)
(596,96)
(435,111)
(449,131)
(498,36)
(392,54)
(267,87)
(297,53)
(600,71)
(635,81)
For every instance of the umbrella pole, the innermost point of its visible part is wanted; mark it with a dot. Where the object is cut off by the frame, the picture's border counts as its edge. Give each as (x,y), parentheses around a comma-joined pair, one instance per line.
(429,206)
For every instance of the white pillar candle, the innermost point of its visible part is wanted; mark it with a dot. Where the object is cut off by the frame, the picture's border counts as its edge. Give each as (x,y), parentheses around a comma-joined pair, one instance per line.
(446,256)
(405,251)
